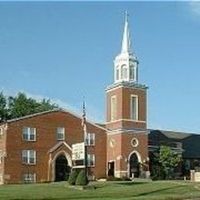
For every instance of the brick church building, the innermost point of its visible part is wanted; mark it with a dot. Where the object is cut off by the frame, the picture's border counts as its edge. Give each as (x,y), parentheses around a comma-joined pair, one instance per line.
(38,147)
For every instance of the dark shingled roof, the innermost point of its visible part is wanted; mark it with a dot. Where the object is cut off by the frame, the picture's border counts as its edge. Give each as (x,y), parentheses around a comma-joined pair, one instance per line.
(190,141)
(175,135)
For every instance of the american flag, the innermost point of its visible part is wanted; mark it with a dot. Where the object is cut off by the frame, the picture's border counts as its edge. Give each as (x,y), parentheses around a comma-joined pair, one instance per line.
(84,122)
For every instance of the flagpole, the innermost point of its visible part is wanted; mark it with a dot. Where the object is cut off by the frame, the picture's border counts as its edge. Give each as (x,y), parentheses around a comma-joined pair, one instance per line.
(85,137)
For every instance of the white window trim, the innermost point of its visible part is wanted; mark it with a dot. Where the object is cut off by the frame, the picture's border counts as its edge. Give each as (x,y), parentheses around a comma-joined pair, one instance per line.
(63,133)
(122,74)
(93,156)
(90,137)
(29,178)
(132,142)
(113,113)
(131,107)
(29,134)
(28,157)
(117,69)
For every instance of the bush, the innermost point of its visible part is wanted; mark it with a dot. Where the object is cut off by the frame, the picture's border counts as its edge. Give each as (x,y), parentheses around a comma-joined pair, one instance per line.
(81,178)
(73,177)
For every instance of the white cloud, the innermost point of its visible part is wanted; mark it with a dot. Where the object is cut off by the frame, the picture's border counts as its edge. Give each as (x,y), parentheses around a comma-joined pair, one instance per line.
(195,7)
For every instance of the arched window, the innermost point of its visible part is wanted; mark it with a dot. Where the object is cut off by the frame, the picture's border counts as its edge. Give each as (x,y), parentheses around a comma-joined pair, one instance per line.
(117,73)
(124,72)
(131,72)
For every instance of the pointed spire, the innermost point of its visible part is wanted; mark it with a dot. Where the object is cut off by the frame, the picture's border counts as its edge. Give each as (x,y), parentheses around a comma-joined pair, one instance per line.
(126,42)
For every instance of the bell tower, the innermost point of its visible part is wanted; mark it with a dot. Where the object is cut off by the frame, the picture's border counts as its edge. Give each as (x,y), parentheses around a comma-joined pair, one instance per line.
(126,120)
(126,98)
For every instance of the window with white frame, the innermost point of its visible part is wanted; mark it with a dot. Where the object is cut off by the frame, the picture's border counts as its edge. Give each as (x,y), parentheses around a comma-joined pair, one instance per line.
(60,133)
(91,160)
(29,134)
(134,107)
(29,178)
(131,72)
(29,157)
(124,72)
(117,73)
(90,139)
(113,108)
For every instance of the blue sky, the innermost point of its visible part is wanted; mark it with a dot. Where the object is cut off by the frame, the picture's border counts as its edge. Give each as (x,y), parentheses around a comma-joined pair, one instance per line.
(64,51)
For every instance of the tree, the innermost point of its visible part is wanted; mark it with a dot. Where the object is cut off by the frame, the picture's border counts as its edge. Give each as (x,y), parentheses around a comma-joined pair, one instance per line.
(46,105)
(168,160)
(3,109)
(20,105)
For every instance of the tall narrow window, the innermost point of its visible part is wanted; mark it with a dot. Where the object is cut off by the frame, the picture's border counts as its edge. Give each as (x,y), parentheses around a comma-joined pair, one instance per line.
(113,108)
(131,73)
(117,73)
(91,160)
(29,157)
(90,140)
(60,133)
(29,134)
(124,72)
(134,107)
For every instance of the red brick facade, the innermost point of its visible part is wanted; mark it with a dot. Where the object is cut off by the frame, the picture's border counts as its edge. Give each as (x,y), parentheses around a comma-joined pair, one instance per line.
(123,130)
(47,146)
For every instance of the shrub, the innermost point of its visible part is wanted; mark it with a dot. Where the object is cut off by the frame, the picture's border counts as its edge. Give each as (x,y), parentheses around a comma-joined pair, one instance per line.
(72,177)
(81,178)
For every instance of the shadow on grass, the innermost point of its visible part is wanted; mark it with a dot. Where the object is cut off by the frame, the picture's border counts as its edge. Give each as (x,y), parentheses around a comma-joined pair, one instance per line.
(131,183)
(158,191)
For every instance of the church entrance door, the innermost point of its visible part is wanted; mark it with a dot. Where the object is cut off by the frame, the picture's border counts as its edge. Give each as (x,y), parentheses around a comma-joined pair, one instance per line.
(134,166)
(62,169)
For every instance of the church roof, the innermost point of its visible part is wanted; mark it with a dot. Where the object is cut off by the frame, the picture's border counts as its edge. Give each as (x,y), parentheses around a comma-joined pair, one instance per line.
(172,134)
(51,111)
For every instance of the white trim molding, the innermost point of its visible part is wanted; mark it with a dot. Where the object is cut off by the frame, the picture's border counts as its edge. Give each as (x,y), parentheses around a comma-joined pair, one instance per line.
(58,145)
(139,160)
(134,116)
(52,163)
(130,120)
(119,131)
(113,108)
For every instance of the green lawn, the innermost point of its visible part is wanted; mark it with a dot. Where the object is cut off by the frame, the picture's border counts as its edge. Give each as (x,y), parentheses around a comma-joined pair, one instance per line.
(158,190)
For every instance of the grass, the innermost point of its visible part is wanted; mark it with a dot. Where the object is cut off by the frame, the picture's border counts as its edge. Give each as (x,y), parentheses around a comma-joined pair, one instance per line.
(158,190)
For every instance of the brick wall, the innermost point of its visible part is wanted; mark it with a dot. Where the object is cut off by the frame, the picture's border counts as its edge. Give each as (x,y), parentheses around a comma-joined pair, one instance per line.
(46,125)
(123,119)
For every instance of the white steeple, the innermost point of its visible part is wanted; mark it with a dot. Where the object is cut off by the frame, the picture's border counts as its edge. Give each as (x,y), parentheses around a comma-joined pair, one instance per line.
(126,42)
(126,63)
